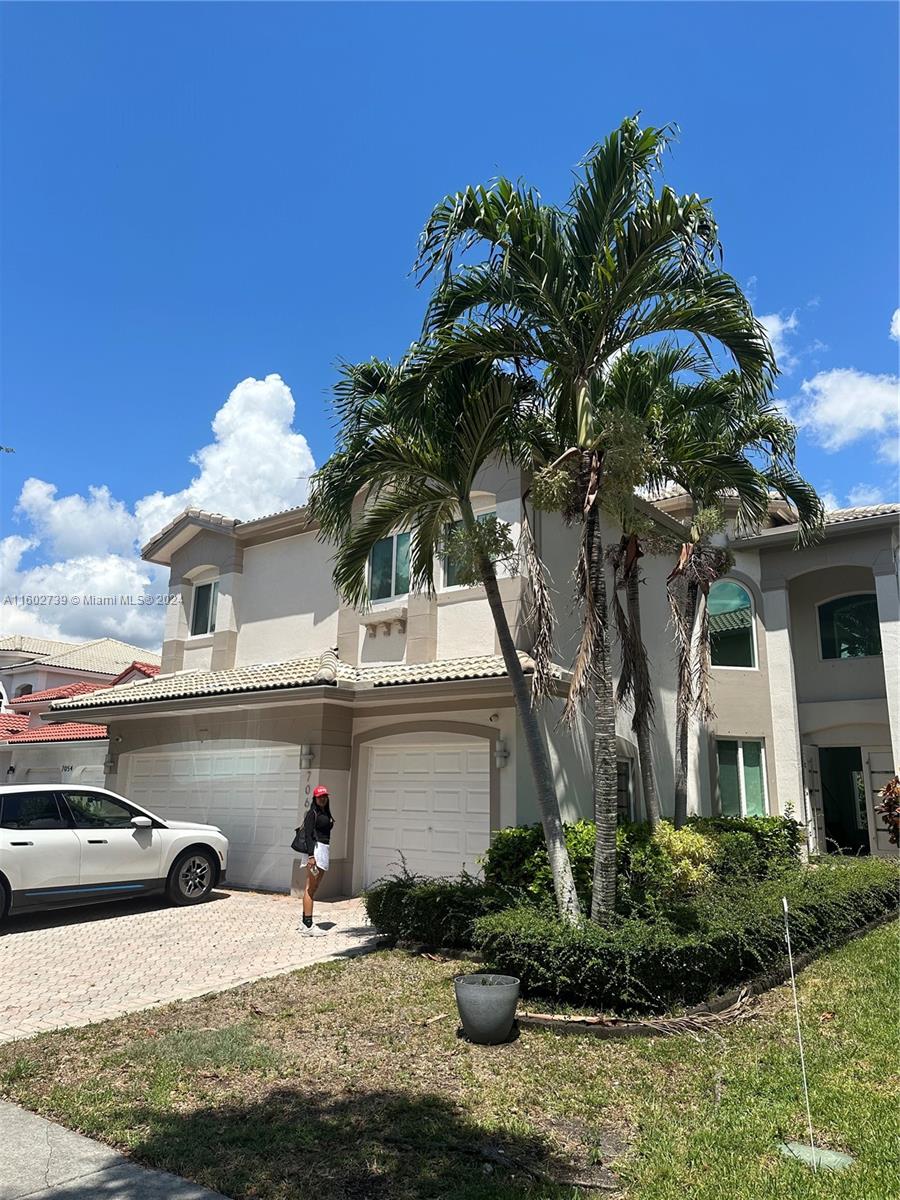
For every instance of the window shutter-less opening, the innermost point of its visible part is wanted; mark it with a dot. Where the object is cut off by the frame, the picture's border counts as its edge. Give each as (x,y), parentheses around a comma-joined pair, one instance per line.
(848,627)
(741,773)
(731,625)
(203,619)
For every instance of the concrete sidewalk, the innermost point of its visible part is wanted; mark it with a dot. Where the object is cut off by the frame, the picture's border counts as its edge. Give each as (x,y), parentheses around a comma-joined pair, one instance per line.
(44,1161)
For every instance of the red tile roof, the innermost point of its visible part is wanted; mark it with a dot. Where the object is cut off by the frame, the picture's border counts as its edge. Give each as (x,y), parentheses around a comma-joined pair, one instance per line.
(75,732)
(58,693)
(12,723)
(148,669)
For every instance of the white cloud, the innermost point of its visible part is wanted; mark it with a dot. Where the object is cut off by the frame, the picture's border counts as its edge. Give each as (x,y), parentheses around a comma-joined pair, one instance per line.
(895,325)
(830,500)
(866,493)
(779,329)
(840,406)
(255,464)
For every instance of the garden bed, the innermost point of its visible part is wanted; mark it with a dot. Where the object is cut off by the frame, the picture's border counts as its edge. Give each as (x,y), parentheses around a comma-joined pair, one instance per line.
(700,914)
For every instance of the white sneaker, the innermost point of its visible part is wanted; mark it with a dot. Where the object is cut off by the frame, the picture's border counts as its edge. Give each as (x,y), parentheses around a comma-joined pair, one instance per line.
(312,930)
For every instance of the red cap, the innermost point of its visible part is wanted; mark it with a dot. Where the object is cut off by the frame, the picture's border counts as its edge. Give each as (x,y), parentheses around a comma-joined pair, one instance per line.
(320,791)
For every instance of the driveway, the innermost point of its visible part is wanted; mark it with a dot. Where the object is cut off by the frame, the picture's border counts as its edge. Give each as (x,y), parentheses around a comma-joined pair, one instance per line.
(83,965)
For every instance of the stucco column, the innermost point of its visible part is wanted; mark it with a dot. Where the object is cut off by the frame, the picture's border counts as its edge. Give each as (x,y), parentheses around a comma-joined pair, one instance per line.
(785,746)
(888,599)
(226,633)
(176,626)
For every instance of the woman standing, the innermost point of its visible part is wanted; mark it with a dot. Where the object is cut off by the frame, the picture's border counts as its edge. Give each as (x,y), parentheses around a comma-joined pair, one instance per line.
(317,826)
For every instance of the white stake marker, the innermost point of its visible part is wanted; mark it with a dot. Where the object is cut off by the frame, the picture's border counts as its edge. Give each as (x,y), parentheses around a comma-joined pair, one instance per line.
(787,934)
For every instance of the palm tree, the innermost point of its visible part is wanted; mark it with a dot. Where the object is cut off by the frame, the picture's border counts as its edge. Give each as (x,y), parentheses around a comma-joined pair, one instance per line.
(563,291)
(720,442)
(413,448)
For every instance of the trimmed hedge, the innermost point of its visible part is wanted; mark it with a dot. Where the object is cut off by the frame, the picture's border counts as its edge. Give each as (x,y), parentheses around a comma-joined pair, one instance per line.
(641,966)
(668,866)
(433,912)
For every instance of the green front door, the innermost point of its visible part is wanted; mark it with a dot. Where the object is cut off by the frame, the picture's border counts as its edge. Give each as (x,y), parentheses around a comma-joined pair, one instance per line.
(844,799)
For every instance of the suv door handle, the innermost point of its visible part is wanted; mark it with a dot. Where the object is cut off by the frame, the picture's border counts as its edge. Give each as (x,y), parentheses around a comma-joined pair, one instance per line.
(97,841)
(21,843)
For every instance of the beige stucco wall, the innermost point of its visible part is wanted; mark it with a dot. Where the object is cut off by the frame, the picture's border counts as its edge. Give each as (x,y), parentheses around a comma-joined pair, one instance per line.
(65,762)
(821,679)
(287,607)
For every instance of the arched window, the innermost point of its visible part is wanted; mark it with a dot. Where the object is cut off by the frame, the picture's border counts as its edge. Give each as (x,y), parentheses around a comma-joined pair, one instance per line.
(731,625)
(24,689)
(848,627)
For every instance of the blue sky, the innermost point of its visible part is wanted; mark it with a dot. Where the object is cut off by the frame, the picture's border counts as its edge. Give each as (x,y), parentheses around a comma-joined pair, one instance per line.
(194,196)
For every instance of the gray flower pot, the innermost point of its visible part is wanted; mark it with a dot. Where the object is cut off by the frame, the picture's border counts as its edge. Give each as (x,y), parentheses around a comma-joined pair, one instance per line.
(487,1006)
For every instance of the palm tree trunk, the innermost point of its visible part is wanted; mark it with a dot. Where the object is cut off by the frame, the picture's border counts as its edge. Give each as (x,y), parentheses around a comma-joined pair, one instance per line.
(603,898)
(682,710)
(641,723)
(548,801)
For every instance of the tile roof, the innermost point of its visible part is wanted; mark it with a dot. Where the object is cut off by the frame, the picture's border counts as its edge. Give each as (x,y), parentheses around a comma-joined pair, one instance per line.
(302,672)
(143,668)
(836,516)
(104,656)
(72,732)
(12,723)
(56,693)
(22,643)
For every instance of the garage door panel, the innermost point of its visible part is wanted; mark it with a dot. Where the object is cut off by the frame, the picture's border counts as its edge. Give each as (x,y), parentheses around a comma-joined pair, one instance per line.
(478,803)
(253,795)
(413,800)
(440,825)
(449,800)
(478,762)
(449,762)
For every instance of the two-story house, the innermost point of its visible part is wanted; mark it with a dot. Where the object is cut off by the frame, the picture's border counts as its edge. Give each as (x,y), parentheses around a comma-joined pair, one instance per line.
(271,685)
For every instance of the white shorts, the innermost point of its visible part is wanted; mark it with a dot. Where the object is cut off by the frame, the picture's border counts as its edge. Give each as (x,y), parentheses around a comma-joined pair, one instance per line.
(322,856)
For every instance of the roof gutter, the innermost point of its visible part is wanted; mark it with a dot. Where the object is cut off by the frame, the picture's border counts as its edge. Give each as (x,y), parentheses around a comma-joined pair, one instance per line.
(788,533)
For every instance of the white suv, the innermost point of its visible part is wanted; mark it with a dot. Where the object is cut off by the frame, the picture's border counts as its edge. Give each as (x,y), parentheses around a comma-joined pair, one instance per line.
(62,845)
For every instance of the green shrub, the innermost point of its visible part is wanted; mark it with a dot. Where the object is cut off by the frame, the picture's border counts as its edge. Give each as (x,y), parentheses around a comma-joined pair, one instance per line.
(639,966)
(737,855)
(435,912)
(517,861)
(670,866)
(777,839)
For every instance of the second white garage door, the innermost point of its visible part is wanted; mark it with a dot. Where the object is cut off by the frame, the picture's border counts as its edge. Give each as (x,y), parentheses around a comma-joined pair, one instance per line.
(252,795)
(429,804)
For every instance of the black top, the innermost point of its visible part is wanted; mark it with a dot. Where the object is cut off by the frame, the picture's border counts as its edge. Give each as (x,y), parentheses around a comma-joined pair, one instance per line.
(317,825)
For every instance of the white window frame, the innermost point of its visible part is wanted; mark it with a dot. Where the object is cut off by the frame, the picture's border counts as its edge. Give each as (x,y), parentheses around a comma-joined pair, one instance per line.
(830,600)
(394,595)
(754,646)
(489,511)
(213,605)
(742,792)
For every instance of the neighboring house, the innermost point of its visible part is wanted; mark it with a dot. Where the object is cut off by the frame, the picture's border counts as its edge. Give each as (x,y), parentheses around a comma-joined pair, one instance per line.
(29,664)
(32,751)
(271,685)
(806,676)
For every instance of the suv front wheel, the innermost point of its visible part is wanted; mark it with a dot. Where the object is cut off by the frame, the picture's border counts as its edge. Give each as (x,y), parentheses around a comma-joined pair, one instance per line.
(192,877)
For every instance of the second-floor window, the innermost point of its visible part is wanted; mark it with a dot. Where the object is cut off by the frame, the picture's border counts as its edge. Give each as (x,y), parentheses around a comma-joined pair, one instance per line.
(848,627)
(451,568)
(731,625)
(203,617)
(389,567)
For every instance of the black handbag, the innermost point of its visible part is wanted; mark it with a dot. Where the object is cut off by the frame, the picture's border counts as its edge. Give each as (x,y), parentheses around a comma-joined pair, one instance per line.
(299,844)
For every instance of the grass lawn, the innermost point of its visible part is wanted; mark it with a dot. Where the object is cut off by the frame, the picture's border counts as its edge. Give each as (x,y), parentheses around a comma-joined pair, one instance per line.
(333,1082)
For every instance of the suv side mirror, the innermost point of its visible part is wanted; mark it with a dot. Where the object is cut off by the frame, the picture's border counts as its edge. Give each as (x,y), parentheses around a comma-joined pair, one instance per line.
(142,822)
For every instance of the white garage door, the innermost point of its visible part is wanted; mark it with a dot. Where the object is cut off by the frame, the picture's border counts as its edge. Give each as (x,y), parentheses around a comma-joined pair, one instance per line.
(252,795)
(429,804)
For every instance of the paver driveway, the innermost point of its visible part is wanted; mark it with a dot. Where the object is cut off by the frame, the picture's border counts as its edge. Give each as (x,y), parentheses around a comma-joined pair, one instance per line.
(84,965)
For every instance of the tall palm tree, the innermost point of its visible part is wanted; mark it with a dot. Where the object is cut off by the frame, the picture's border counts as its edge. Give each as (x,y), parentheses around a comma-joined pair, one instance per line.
(563,291)
(413,448)
(720,442)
